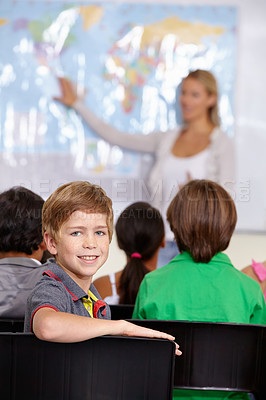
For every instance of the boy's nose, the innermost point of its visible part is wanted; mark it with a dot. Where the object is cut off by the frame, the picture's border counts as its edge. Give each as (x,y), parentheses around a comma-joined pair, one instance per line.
(89,241)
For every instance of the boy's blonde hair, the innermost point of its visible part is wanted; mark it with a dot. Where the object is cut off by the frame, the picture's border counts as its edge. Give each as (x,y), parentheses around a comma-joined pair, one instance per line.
(71,197)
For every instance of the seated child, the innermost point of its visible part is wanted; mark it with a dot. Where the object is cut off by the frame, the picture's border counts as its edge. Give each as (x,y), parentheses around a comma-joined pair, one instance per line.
(22,249)
(201,284)
(64,306)
(140,234)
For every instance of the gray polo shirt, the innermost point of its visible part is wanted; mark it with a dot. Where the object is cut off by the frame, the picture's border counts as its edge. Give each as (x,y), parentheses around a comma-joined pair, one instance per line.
(18,276)
(58,291)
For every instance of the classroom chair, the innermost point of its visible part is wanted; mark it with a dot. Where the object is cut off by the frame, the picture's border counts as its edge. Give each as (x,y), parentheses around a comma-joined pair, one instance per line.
(121,311)
(11,325)
(107,367)
(217,356)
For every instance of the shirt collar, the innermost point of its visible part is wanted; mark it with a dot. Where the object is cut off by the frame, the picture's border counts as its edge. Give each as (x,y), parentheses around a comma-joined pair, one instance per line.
(186,256)
(36,261)
(55,272)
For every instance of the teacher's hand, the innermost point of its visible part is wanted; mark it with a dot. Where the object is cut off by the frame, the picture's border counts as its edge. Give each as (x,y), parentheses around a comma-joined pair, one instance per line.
(69,95)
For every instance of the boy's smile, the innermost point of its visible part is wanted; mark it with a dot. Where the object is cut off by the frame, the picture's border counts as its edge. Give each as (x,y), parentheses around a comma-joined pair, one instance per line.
(82,246)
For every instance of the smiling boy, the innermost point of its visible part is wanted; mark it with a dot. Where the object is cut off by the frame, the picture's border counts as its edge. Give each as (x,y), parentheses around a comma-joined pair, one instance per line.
(83,246)
(64,306)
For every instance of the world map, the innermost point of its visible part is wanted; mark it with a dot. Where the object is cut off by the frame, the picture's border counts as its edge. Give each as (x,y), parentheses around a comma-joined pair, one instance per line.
(127,60)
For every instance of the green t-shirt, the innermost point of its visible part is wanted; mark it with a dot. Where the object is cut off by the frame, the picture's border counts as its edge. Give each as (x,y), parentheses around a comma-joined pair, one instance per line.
(188,291)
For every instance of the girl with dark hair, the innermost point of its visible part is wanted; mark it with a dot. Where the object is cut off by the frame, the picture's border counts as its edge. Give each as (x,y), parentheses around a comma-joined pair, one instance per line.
(140,234)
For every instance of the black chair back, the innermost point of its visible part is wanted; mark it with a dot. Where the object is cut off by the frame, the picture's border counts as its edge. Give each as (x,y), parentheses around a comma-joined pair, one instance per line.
(121,311)
(11,325)
(217,356)
(108,367)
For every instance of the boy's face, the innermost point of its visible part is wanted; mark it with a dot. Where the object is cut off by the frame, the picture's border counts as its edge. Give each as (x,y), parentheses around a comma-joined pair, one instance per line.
(82,246)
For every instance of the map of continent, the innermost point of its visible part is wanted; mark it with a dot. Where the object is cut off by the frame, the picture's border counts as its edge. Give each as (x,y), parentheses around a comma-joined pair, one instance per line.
(128,59)
(137,69)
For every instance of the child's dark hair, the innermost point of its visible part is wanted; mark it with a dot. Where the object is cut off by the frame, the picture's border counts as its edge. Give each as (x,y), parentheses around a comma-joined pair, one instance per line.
(140,232)
(20,220)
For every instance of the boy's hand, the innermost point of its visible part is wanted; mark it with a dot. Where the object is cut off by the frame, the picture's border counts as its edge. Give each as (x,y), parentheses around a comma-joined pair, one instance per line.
(130,329)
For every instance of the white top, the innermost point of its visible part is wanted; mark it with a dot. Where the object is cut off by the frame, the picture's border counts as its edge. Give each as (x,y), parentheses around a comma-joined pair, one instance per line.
(114,299)
(175,173)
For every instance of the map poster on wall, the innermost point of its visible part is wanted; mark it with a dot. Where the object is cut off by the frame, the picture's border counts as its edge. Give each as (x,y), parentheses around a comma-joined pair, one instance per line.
(128,59)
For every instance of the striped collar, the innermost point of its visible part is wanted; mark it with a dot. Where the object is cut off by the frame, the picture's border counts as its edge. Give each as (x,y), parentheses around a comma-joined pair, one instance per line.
(55,272)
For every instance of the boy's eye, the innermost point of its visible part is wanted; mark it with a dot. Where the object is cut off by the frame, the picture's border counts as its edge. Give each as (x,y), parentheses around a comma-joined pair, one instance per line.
(75,233)
(100,233)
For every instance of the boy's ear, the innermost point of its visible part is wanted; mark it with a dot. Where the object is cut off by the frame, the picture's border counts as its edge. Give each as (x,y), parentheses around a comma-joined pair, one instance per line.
(50,243)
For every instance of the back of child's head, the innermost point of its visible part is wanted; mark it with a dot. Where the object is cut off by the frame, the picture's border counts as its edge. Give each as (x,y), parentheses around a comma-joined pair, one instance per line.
(75,196)
(140,233)
(202,217)
(20,220)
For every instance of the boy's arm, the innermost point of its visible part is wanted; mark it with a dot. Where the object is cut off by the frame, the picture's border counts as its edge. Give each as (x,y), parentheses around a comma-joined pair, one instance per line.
(55,326)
